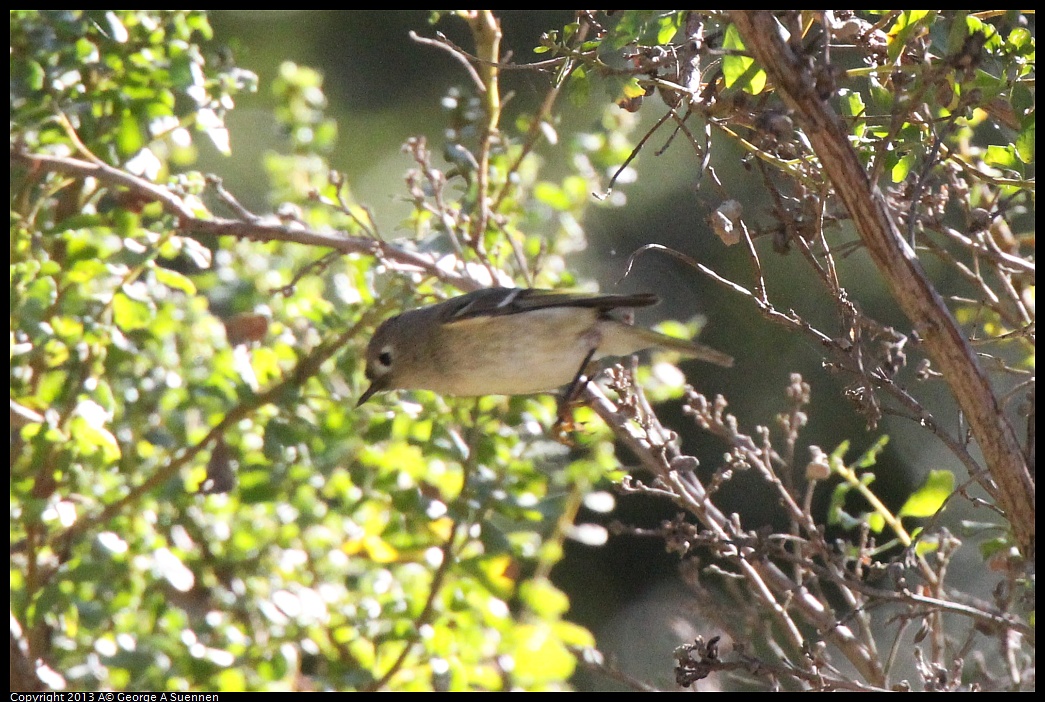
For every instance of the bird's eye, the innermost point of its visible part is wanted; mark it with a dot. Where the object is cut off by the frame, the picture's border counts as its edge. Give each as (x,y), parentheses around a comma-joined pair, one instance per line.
(385,358)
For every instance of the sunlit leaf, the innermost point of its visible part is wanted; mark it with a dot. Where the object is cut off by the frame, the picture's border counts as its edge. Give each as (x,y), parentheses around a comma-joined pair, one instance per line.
(929,498)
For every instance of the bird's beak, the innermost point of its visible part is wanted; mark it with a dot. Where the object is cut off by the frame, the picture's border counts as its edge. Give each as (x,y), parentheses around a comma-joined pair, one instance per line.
(377,386)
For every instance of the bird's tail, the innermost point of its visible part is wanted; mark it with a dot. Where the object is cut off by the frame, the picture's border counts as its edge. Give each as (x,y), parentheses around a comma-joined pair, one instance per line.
(632,339)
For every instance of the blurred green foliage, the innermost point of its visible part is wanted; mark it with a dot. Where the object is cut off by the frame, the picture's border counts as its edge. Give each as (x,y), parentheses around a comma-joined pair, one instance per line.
(310,544)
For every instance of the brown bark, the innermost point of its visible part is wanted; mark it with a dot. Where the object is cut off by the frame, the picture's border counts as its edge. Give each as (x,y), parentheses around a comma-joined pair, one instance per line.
(944,340)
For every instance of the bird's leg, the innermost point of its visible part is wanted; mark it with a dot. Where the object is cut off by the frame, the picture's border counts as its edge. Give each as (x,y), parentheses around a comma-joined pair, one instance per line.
(564,422)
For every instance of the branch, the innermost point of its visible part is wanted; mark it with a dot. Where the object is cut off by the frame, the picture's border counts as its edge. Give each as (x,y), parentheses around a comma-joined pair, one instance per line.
(896,261)
(774,589)
(256,230)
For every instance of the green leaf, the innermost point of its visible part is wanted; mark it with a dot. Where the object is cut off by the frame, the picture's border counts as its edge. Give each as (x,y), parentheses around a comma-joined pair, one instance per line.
(835,512)
(34,76)
(539,655)
(852,105)
(902,168)
(579,88)
(870,456)
(92,437)
(838,455)
(544,598)
(908,25)
(668,27)
(741,70)
(174,280)
(129,136)
(1025,142)
(928,499)
(923,547)
(130,315)
(1019,38)
(876,522)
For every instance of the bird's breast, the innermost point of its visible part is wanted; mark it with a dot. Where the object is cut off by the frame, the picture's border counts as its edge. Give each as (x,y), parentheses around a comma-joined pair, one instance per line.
(516,354)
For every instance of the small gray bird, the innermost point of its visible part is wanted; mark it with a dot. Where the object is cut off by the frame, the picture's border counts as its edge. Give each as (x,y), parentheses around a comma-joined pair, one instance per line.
(510,341)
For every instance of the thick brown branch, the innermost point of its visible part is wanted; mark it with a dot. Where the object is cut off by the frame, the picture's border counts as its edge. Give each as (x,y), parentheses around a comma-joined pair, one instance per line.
(930,317)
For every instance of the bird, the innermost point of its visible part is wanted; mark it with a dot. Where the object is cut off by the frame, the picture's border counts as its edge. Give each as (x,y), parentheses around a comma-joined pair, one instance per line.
(510,341)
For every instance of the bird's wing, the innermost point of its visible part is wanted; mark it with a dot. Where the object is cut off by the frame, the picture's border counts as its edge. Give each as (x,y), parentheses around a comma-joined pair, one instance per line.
(496,302)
